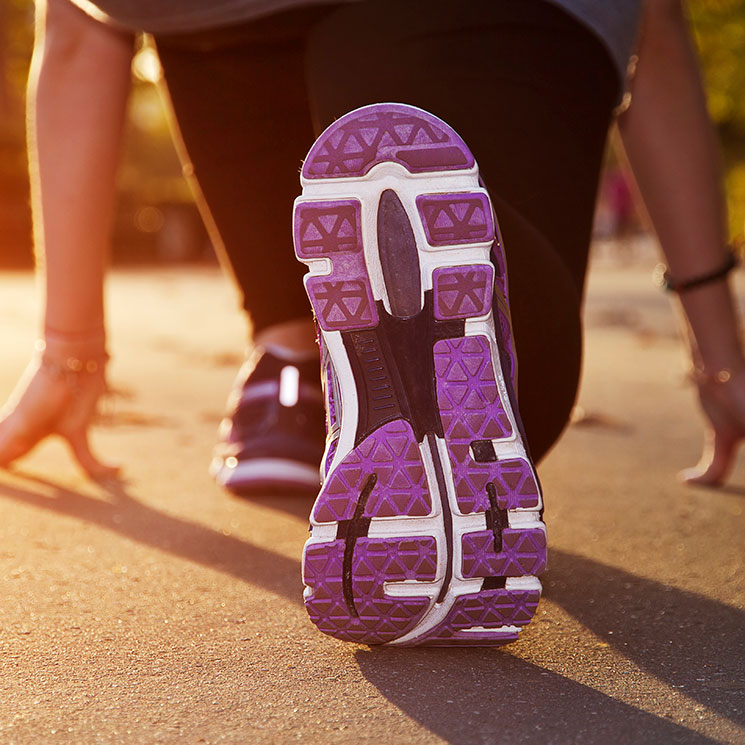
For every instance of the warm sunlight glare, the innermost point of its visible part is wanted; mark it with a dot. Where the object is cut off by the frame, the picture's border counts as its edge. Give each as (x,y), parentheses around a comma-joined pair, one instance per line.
(146,65)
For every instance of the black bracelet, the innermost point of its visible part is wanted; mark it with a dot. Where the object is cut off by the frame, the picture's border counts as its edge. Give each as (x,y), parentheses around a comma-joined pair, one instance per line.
(672,285)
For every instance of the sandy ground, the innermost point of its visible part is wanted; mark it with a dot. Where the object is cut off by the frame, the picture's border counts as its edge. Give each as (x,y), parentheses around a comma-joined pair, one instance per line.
(163,610)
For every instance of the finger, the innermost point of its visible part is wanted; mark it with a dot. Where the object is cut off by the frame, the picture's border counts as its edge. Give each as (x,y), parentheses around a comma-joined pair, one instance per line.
(30,413)
(716,460)
(93,466)
(15,440)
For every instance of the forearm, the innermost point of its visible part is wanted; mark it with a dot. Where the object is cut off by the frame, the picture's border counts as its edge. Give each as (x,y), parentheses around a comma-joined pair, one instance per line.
(672,149)
(78,89)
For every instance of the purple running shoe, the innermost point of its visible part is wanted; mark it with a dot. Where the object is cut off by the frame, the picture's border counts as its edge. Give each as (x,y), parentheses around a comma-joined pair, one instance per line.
(428,526)
(271,439)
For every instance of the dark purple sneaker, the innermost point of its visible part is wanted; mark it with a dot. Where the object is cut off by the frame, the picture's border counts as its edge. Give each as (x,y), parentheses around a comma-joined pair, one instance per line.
(428,526)
(272,437)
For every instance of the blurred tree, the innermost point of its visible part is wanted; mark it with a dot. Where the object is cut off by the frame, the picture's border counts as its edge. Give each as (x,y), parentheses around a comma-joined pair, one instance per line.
(719,26)
(16,39)
(16,36)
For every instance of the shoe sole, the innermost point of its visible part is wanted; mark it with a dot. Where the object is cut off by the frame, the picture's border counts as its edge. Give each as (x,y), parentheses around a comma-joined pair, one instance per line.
(427,529)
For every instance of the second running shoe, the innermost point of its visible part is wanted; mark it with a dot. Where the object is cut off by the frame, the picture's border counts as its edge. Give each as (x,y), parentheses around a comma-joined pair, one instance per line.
(271,438)
(427,529)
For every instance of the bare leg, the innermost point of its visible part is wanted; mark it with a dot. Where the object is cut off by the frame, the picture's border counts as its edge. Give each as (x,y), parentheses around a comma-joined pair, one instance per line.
(78,88)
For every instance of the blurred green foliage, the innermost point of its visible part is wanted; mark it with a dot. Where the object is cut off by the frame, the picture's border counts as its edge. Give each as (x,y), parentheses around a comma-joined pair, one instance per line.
(719,27)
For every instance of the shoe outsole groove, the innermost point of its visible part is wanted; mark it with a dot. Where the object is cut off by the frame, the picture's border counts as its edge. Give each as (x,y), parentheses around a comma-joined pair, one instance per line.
(425,519)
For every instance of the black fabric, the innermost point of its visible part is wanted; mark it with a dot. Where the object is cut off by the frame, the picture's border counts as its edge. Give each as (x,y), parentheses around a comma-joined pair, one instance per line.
(528,88)
(242,108)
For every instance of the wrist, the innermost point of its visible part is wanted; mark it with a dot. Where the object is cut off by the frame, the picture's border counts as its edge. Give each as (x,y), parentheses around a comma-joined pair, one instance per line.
(64,353)
(664,279)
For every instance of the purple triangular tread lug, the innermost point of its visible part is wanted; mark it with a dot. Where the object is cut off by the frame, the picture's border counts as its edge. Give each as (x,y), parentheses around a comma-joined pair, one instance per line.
(452,219)
(490,609)
(331,229)
(352,145)
(480,392)
(514,482)
(463,291)
(401,488)
(474,412)
(523,553)
(376,561)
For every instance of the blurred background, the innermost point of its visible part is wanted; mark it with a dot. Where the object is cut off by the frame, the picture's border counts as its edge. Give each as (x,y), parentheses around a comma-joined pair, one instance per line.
(157,220)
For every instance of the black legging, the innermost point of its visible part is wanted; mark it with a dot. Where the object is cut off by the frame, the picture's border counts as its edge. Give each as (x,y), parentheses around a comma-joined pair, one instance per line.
(529,89)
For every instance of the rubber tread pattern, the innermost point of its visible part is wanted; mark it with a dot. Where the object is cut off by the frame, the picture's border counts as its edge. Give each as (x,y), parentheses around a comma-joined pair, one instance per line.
(352,145)
(463,291)
(488,611)
(343,298)
(523,552)
(379,618)
(392,453)
(513,478)
(467,391)
(452,219)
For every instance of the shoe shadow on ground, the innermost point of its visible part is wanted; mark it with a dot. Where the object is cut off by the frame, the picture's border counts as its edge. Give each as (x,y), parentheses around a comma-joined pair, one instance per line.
(683,639)
(480,695)
(121,513)
(686,640)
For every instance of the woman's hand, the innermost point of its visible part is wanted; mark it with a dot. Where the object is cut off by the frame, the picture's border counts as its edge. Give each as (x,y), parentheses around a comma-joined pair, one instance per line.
(723,404)
(49,400)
